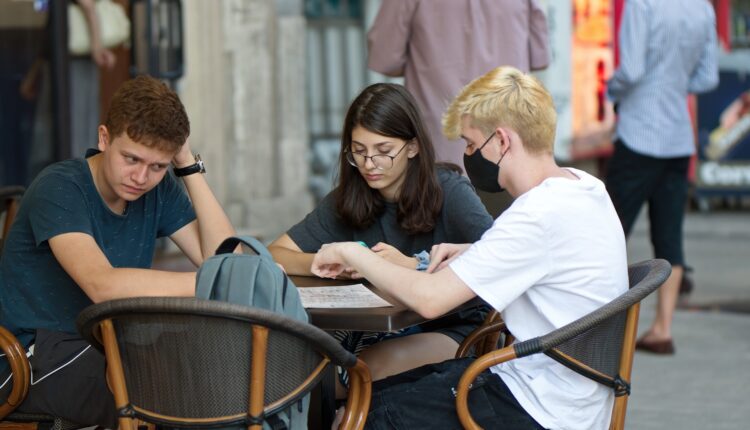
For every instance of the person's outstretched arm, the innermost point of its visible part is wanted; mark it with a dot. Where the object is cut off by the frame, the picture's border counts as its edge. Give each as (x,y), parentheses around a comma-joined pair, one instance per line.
(429,294)
(83,260)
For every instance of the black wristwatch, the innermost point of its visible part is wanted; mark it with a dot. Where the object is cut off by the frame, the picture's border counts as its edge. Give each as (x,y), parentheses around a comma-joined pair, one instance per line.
(198,167)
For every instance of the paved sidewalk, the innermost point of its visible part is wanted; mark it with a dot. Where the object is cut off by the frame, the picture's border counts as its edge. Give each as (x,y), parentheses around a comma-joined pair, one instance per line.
(706,385)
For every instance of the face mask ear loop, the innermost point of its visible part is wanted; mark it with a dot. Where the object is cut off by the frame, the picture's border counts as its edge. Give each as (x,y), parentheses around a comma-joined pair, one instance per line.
(501,155)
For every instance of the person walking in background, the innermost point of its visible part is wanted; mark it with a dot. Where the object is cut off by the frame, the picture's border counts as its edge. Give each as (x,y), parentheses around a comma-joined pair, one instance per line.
(668,50)
(84,83)
(441,45)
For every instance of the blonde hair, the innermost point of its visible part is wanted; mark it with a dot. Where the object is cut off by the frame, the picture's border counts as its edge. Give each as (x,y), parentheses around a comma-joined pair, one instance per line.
(506,97)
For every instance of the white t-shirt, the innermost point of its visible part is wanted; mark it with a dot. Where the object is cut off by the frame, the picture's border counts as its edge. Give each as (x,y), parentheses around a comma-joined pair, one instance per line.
(555,255)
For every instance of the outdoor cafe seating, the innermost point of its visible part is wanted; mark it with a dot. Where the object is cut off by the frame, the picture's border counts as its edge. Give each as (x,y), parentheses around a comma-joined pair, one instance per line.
(186,362)
(168,358)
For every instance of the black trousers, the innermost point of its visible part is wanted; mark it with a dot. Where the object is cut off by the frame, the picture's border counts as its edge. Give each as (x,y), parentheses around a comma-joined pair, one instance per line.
(634,179)
(423,399)
(68,381)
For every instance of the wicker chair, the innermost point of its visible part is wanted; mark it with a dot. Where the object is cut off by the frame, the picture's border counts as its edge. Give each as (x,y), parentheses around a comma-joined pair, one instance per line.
(599,345)
(187,362)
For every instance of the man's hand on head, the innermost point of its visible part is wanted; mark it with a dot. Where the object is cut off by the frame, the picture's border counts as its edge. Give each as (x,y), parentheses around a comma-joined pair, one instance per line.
(184,156)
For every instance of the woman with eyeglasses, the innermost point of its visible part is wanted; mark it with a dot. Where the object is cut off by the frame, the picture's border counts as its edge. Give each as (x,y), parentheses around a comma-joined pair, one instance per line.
(394,198)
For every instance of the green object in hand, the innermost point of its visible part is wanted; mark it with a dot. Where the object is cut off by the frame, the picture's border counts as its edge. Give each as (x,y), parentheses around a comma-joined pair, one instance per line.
(363,244)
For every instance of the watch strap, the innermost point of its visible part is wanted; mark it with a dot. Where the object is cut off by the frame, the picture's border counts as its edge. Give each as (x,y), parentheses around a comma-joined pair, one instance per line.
(197,167)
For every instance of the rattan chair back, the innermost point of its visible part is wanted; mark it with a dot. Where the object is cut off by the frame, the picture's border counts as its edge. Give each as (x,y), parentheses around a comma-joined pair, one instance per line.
(187,362)
(599,345)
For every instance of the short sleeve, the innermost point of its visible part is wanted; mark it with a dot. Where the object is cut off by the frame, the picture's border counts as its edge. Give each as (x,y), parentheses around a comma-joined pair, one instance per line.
(58,206)
(465,216)
(509,259)
(321,226)
(176,210)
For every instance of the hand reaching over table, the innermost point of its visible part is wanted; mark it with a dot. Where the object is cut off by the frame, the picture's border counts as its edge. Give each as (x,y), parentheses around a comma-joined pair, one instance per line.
(442,254)
(329,260)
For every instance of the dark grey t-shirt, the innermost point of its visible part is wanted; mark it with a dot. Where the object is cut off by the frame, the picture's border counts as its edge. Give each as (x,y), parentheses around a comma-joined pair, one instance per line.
(463,219)
(35,291)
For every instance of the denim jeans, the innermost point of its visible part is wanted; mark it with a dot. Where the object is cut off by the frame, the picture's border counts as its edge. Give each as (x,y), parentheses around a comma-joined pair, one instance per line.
(423,399)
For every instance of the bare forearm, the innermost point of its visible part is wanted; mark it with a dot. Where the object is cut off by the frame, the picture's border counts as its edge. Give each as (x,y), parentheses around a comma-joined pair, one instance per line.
(118,283)
(294,262)
(89,11)
(411,287)
(213,223)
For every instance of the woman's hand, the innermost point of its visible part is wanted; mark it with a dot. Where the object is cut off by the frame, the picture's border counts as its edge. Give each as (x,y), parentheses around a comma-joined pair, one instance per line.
(442,254)
(329,260)
(393,255)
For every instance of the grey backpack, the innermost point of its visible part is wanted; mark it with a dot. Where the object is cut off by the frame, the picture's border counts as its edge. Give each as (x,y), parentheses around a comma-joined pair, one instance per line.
(256,281)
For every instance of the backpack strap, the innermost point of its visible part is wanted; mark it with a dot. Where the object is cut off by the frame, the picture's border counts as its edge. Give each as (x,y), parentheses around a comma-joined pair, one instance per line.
(206,279)
(230,243)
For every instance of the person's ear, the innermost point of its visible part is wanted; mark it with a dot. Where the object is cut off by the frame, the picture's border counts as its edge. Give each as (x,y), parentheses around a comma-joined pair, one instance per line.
(413,148)
(504,138)
(103,138)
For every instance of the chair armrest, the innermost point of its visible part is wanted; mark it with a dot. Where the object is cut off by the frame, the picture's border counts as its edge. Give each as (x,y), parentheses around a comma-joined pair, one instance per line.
(478,366)
(488,333)
(481,334)
(358,400)
(20,369)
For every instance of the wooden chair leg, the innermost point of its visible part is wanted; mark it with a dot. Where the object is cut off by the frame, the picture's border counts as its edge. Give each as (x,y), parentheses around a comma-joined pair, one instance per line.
(626,366)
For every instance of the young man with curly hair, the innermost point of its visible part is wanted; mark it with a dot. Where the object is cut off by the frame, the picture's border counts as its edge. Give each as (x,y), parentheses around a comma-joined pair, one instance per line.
(86,232)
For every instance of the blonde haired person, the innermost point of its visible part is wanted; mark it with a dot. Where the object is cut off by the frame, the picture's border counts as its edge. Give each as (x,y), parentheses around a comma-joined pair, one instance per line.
(555,255)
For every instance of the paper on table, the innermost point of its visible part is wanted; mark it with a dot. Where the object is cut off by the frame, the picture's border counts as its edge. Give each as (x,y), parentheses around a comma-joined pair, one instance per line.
(345,296)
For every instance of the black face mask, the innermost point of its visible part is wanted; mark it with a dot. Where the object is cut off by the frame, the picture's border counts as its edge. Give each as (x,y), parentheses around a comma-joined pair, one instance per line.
(482,172)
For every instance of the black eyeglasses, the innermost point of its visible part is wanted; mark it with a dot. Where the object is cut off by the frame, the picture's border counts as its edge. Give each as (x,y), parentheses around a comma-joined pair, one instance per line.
(381,161)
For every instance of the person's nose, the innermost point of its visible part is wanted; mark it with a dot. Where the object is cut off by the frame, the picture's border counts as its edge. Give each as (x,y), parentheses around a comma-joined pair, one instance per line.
(369,164)
(140,176)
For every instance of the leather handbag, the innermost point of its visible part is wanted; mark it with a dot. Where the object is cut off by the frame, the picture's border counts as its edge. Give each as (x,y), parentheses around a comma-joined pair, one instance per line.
(114,26)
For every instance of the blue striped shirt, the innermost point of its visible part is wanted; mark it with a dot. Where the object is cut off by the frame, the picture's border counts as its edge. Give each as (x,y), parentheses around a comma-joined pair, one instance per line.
(668,49)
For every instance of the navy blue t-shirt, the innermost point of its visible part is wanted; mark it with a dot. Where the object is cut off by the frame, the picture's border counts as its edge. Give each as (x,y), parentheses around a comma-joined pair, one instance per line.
(35,291)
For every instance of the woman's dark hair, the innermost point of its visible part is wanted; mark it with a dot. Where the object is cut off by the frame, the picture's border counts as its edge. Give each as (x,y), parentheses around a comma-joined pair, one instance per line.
(389,110)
